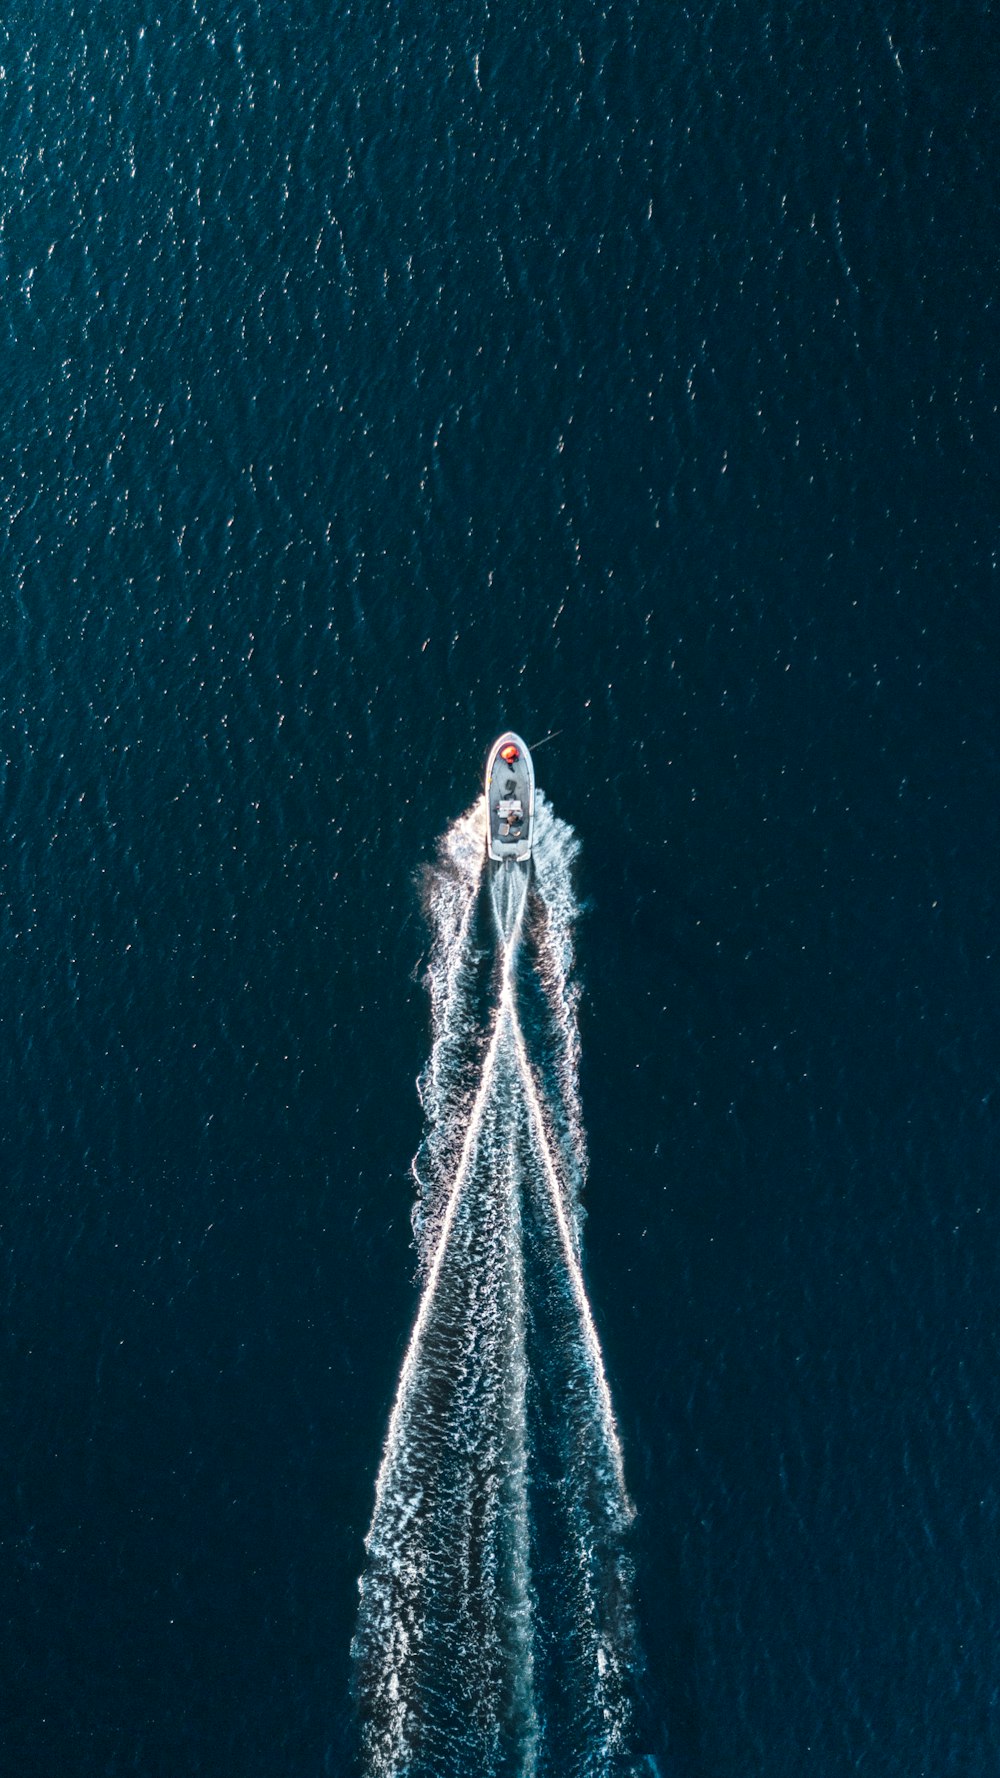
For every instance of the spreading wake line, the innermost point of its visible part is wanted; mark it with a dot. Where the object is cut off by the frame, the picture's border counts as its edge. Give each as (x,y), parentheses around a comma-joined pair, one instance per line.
(504,1010)
(573,1269)
(495,1627)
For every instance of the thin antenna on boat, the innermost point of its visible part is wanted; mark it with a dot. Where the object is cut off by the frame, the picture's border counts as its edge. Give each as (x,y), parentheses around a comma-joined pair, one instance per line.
(536,744)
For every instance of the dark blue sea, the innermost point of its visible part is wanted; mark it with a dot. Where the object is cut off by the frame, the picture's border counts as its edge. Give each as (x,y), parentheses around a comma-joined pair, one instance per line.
(375,378)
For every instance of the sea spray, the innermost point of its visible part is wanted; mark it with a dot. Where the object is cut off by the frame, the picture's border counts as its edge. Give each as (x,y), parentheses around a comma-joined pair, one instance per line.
(555,850)
(495,1631)
(447,1083)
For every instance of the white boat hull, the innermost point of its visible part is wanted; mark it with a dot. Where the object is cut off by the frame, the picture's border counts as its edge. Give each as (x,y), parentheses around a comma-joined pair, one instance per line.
(509,800)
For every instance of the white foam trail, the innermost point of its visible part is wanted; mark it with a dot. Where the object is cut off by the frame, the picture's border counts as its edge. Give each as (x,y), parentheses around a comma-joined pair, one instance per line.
(456,884)
(485,1374)
(476,1651)
(589,1331)
(554,851)
(451,902)
(522,1615)
(468,1150)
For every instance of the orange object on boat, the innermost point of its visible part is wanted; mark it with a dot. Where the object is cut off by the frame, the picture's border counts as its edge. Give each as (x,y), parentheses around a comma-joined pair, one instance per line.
(509,754)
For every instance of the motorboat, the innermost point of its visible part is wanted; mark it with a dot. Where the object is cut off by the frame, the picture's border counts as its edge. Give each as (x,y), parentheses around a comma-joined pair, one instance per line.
(510,800)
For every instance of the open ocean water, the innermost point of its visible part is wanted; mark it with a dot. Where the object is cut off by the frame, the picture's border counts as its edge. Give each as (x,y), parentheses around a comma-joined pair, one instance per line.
(374,378)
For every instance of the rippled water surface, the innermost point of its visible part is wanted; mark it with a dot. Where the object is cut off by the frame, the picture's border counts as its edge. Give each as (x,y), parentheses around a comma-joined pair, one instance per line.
(373,380)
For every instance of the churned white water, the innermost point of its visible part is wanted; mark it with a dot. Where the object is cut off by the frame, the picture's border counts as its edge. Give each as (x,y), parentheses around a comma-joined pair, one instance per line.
(495,1628)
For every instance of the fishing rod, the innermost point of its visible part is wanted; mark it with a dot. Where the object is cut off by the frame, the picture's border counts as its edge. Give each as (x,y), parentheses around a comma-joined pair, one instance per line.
(536,744)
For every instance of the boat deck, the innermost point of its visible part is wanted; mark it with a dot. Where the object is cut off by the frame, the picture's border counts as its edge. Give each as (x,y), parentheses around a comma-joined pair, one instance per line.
(509,799)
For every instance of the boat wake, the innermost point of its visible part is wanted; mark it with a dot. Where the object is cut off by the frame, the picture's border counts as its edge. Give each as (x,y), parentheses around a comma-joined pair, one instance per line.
(495,1630)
